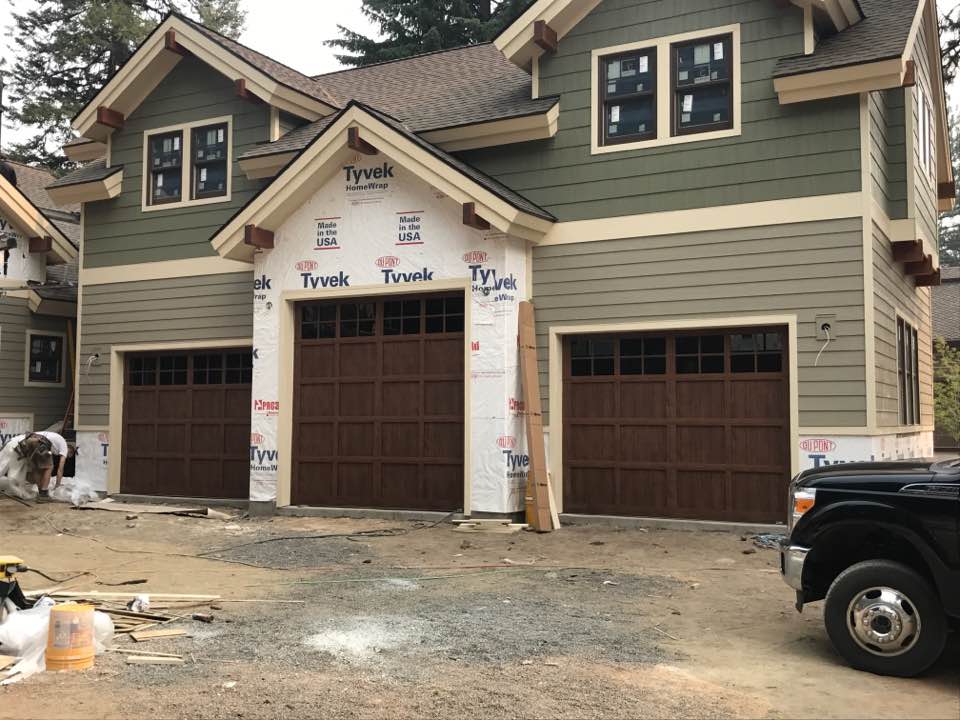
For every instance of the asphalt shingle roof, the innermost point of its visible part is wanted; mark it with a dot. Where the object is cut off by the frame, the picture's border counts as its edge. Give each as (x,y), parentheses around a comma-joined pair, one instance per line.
(881,35)
(33,183)
(946,304)
(91,172)
(462,86)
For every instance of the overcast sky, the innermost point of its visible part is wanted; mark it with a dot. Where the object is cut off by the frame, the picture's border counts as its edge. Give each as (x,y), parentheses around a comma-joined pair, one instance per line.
(270,30)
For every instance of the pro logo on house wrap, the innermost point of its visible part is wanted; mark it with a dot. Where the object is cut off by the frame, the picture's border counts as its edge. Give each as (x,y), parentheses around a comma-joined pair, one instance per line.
(266,407)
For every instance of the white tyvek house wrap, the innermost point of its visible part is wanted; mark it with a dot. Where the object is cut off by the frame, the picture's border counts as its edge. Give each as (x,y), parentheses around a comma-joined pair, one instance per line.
(20,264)
(376,225)
(91,463)
(819,450)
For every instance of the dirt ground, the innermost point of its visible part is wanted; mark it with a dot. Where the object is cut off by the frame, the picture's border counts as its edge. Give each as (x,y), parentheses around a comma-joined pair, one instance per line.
(592,622)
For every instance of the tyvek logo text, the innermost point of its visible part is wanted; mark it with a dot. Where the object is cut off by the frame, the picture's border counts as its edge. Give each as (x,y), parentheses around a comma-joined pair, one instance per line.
(312,281)
(391,277)
(487,282)
(362,179)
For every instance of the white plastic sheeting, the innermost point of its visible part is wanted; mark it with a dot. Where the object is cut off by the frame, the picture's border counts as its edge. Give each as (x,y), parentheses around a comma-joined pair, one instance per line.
(377,226)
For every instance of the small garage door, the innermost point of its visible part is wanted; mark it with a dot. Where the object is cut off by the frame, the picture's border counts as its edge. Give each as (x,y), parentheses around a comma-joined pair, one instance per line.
(186,424)
(690,425)
(378,407)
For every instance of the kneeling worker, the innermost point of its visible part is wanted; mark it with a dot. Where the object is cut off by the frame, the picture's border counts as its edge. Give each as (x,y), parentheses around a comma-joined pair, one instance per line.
(41,451)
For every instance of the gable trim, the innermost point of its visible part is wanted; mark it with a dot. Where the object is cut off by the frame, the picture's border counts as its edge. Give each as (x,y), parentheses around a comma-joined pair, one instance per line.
(153,60)
(517,41)
(105,188)
(31,222)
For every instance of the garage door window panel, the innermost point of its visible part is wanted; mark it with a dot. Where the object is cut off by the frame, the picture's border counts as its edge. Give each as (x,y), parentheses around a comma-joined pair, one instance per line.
(698,354)
(592,357)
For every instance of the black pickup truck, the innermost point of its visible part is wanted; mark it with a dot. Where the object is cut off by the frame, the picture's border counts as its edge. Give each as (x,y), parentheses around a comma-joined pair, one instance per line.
(881,542)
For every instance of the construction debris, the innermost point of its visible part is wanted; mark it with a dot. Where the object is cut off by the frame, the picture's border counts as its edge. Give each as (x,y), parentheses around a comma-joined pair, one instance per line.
(489,525)
(134,509)
(144,635)
(202,617)
(153,660)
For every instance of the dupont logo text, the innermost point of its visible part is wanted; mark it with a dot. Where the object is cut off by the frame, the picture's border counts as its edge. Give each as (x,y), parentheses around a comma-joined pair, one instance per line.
(818,445)
(387,261)
(475,257)
(307,265)
(506,441)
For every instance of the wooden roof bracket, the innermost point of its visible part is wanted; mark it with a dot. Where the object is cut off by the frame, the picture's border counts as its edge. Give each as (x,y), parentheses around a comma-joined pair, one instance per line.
(909,74)
(110,118)
(258,237)
(41,244)
(544,36)
(907,251)
(358,144)
(170,43)
(947,190)
(471,219)
(240,87)
(921,267)
(931,280)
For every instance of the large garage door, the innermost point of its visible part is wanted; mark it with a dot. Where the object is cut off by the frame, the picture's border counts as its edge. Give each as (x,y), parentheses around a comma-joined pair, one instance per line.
(378,407)
(186,424)
(692,425)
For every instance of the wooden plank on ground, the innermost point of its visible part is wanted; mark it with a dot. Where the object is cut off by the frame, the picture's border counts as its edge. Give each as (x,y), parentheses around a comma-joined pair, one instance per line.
(153,660)
(143,508)
(537,496)
(98,595)
(7,660)
(144,635)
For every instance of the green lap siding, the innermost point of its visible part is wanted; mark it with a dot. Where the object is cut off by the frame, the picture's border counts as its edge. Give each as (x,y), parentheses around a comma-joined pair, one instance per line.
(888,153)
(48,405)
(925,184)
(210,307)
(785,151)
(800,269)
(117,231)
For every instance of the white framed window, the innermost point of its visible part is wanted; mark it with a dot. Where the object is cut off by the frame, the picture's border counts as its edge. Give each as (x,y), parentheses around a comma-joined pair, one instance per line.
(669,90)
(926,132)
(188,164)
(908,373)
(44,359)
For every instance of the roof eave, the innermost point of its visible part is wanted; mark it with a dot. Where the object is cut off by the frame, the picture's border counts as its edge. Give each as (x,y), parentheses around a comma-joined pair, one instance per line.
(31,222)
(516,41)
(849,80)
(492,133)
(105,188)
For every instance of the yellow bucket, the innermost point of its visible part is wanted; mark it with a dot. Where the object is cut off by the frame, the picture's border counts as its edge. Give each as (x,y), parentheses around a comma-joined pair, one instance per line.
(70,637)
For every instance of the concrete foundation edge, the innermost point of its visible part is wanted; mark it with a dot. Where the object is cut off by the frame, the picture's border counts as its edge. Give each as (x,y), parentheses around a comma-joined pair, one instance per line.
(670,524)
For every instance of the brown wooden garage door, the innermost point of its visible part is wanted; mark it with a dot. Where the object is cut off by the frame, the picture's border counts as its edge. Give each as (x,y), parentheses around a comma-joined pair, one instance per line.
(186,424)
(378,406)
(691,425)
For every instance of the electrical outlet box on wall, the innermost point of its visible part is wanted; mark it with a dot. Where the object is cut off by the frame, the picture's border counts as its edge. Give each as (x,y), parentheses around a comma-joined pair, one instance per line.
(826,324)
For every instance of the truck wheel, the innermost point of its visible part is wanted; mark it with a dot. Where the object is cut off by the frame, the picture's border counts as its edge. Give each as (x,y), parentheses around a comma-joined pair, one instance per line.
(885,618)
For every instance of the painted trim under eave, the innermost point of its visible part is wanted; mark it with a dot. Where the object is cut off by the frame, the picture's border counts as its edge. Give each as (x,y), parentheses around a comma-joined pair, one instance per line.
(851,80)
(105,189)
(31,221)
(85,151)
(265,166)
(315,164)
(59,308)
(516,40)
(496,132)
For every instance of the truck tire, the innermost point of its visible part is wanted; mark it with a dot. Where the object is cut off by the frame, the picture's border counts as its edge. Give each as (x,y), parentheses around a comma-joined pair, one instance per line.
(885,618)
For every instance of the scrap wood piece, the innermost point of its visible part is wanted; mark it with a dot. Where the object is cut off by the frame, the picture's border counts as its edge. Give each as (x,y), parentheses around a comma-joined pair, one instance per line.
(537,495)
(153,660)
(97,594)
(155,634)
(143,509)
(151,653)
(7,660)
(507,529)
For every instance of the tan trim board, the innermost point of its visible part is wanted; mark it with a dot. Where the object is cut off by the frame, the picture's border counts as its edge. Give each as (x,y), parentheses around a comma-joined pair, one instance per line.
(31,222)
(105,189)
(163,270)
(877,431)
(264,166)
(497,132)
(850,80)
(27,382)
(288,300)
(868,202)
(59,308)
(186,165)
(78,340)
(85,151)
(555,374)
(114,453)
(664,93)
(724,217)
(93,428)
(516,41)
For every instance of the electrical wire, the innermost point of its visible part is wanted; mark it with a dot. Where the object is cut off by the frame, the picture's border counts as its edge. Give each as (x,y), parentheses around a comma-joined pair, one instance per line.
(826,331)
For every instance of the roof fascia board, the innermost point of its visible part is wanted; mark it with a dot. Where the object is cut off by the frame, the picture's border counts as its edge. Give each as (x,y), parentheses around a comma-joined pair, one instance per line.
(850,80)
(60,308)
(31,222)
(497,132)
(944,161)
(152,61)
(300,179)
(516,42)
(104,189)
(85,151)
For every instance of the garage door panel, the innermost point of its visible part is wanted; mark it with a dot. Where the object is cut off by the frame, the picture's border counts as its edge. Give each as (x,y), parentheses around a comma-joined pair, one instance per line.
(174,404)
(401,359)
(356,439)
(400,440)
(318,399)
(317,361)
(236,404)
(206,474)
(358,399)
(443,397)
(700,399)
(140,404)
(236,439)
(703,444)
(643,399)
(593,442)
(698,419)
(643,443)
(400,398)
(144,471)
(758,399)
(140,438)
(647,490)
(358,359)
(172,439)
(207,402)
(206,439)
(398,417)
(593,400)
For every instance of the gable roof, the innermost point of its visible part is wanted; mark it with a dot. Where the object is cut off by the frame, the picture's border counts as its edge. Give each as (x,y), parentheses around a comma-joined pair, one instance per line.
(881,35)
(31,219)
(503,208)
